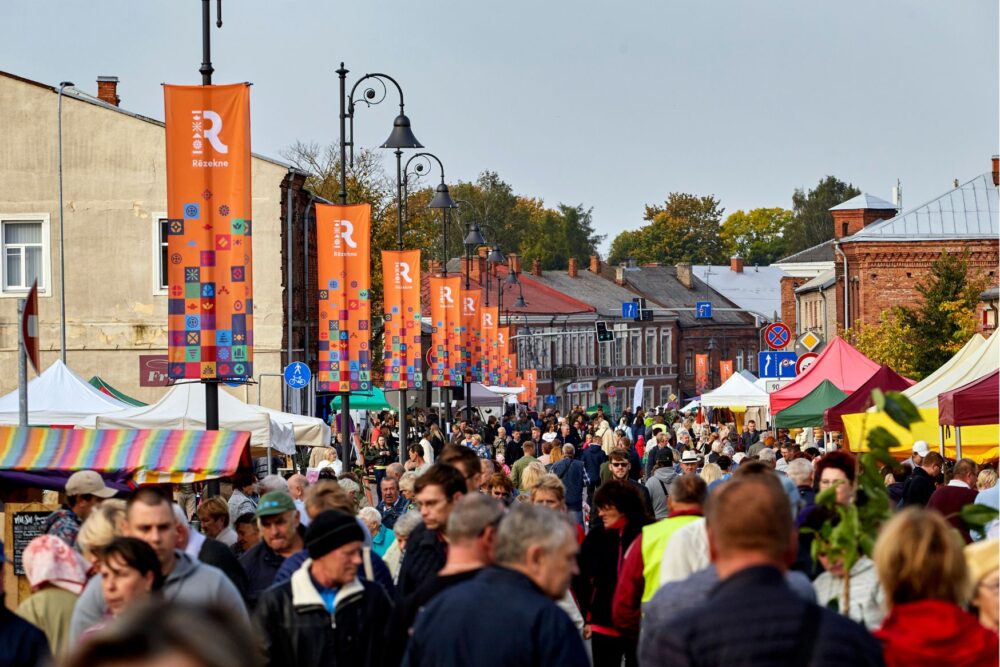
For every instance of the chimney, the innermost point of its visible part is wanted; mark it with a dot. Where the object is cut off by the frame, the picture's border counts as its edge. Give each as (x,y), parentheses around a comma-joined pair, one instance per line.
(684,275)
(107,89)
(513,263)
(620,275)
(433,267)
(595,264)
(996,170)
(536,268)
(572,267)
(477,269)
(736,264)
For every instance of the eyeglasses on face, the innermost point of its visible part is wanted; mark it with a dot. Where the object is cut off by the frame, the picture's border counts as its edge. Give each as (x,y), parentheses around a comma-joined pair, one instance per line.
(619,464)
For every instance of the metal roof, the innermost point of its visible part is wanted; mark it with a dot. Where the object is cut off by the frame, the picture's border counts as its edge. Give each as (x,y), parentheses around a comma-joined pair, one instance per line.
(757,288)
(824,280)
(604,295)
(660,284)
(818,253)
(970,211)
(865,201)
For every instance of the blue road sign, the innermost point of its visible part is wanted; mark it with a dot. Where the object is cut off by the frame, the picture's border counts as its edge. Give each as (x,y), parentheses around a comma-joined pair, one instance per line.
(550,399)
(297,375)
(776,365)
(630,310)
(703,310)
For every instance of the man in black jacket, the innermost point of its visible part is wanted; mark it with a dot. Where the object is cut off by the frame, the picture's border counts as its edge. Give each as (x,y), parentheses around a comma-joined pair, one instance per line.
(920,485)
(325,615)
(281,536)
(751,541)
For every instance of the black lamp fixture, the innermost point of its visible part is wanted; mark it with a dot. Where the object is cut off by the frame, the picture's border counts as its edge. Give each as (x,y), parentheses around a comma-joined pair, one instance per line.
(495,256)
(401,135)
(442,198)
(475,237)
(512,278)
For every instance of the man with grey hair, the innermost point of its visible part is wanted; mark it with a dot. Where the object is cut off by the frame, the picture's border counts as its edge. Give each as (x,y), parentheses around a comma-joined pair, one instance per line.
(471,535)
(394,470)
(297,485)
(272,483)
(535,557)
(767,457)
(800,471)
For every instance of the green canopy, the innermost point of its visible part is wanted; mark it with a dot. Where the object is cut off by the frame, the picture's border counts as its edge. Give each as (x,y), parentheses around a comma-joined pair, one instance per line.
(106,388)
(373,401)
(599,406)
(808,411)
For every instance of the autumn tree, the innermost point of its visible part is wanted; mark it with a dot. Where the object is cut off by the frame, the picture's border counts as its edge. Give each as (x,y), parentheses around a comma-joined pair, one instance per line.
(891,341)
(685,228)
(757,235)
(812,223)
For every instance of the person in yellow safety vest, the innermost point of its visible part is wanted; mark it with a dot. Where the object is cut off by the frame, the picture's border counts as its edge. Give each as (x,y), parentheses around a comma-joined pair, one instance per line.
(640,574)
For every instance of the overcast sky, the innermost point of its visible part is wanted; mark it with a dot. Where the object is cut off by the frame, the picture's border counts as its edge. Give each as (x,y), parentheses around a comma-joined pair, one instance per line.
(609,104)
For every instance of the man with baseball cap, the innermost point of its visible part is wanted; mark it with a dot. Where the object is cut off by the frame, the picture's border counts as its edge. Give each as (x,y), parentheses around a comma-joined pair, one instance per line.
(85,489)
(281,536)
(325,615)
(920,450)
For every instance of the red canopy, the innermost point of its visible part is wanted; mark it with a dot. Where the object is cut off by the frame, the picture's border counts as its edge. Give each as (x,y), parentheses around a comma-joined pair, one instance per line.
(885,379)
(973,404)
(839,363)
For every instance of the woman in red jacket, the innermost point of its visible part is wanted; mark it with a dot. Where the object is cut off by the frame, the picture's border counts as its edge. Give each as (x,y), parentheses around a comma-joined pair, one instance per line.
(920,563)
(601,556)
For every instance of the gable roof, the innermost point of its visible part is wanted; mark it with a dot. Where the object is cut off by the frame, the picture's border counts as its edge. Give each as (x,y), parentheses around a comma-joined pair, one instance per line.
(756,288)
(865,201)
(822,252)
(970,211)
(604,295)
(823,280)
(660,285)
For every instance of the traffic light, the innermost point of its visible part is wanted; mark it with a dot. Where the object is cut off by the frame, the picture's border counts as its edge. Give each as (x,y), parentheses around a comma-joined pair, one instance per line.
(604,334)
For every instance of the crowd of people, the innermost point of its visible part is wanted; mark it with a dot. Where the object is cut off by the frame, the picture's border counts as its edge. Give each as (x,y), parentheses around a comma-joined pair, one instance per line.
(535,539)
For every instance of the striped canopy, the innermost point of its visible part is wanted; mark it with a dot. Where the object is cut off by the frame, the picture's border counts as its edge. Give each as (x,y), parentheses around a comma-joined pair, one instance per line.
(149,456)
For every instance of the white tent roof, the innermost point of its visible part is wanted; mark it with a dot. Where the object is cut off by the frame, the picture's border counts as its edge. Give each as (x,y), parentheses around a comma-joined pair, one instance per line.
(978,358)
(59,397)
(482,397)
(183,407)
(736,391)
(309,431)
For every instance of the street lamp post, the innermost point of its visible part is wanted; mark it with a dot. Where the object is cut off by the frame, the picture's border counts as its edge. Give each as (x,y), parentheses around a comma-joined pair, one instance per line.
(401,137)
(473,239)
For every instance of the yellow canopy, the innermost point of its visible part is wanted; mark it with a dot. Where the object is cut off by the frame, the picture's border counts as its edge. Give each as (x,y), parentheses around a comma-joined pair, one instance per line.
(979,443)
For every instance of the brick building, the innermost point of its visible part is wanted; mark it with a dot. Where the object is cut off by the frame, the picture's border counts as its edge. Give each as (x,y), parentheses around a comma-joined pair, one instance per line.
(799,269)
(884,259)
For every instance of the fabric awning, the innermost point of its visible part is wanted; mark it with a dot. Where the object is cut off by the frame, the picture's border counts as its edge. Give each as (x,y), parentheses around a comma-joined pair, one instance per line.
(839,363)
(102,386)
(977,359)
(860,399)
(973,404)
(809,411)
(373,401)
(58,397)
(149,456)
(737,391)
(979,443)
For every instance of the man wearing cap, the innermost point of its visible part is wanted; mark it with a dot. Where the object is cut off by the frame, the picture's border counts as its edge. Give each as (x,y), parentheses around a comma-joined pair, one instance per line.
(324,614)
(689,462)
(281,536)
(85,490)
(920,450)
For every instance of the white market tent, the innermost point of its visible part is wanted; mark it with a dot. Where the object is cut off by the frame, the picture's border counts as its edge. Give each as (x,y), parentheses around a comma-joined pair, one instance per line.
(183,407)
(735,392)
(978,358)
(309,431)
(59,397)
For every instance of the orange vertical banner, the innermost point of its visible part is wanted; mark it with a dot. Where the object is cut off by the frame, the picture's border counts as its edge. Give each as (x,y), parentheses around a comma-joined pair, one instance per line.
(446,330)
(403,366)
(725,370)
(701,373)
(471,345)
(490,321)
(210,286)
(503,351)
(343,240)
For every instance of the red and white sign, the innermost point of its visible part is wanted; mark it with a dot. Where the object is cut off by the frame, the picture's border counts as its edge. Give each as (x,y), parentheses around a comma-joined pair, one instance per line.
(153,370)
(804,362)
(29,326)
(777,336)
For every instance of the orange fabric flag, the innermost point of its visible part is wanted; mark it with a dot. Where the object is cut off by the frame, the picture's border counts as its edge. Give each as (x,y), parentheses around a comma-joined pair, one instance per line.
(402,363)
(446,330)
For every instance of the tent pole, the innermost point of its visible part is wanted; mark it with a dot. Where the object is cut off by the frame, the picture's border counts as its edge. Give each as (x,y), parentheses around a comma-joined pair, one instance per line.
(958,443)
(941,440)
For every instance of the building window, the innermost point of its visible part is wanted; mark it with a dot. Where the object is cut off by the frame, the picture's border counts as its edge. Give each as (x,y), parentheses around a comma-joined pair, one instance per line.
(25,253)
(689,363)
(635,357)
(666,353)
(650,348)
(751,360)
(739,360)
(665,391)
(606,352)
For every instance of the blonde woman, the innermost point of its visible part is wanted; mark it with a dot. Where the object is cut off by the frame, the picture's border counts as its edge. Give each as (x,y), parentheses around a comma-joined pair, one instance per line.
(103,525)
(531,475)
(711,472)
(987,479)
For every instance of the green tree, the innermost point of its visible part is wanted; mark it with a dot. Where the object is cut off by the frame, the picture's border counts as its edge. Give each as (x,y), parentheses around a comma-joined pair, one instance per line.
(556,235)
(946,318)
(757,235)
(813,222)
(686,228)
(891,342)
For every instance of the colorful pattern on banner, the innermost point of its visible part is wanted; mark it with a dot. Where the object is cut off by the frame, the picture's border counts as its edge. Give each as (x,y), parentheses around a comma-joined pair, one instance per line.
(209,281)
(401,354)
(446,331)
(725,370)
(530,393)
(700,373)
(343,240)
(503,356)
(490,322)
(471,341)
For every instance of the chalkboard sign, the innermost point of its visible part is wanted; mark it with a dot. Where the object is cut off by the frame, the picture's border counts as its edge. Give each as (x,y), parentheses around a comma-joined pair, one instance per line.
(27,526)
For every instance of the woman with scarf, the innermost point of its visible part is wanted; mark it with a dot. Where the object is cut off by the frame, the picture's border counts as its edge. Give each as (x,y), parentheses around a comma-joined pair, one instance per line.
(57,574)
(601,556)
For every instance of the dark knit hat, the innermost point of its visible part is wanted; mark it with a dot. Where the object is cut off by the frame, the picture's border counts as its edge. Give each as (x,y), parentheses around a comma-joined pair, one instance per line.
(331,530)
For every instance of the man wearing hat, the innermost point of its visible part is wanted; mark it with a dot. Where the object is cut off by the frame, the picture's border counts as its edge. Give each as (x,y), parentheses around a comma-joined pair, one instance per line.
(281,536)
(325,615)
(85,489)
(689,462)
(920,450)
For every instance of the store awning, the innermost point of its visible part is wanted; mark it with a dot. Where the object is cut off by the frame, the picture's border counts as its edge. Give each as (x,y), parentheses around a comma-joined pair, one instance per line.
(367,401)
(102,386)
(809,411)
(860,400)
(974,404)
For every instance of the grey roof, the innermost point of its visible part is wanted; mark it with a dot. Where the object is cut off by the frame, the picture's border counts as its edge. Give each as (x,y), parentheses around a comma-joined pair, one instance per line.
(818,253)
(824,280)
(660,284)
(604,295)
(992,294)
(757,288)
(864,201)
(970,211)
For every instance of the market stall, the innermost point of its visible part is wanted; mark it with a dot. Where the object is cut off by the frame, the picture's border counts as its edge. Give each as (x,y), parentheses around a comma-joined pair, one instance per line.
(97,382)
(809,411)
(740,395)
(58,397)
(974,404)
(839,363)
(885,379)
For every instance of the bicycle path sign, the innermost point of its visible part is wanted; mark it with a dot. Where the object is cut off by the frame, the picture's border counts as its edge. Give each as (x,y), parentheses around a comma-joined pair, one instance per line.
(777,335)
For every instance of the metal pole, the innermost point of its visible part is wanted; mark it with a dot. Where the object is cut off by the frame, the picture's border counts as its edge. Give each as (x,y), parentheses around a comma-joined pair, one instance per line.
(289,287)
(62,235)
(305,279)
(22,368)
(403,424)
(345,397)
(468,371)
